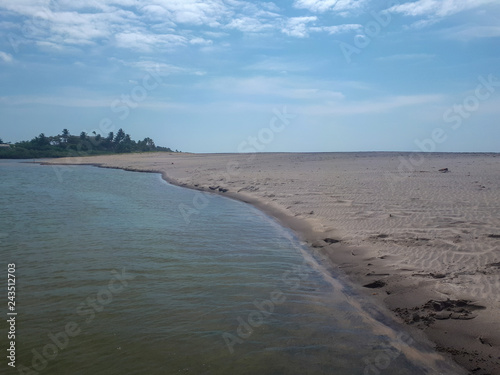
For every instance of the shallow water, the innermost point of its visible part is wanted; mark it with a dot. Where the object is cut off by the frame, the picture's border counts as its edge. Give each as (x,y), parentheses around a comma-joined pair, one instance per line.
(121,273)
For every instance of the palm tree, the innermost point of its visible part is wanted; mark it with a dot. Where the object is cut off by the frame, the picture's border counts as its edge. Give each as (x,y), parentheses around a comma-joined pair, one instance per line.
(149,142)
(65,135)
(120,136)
(108,141)
(41,140)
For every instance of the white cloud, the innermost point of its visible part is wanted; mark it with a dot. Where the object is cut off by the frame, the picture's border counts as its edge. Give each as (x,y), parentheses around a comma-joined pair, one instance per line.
(6,57)
(60,25)
(430,12)
(437,8)
(337,29)
(156,13)
(69,23)
(51,46)
(75,24)
(298,26)
(159,67)
(270,6)
(201,42)
(196,12)
(341,6)
(249,25)
(146,42)
(253,17)
(28,8)
(76,28)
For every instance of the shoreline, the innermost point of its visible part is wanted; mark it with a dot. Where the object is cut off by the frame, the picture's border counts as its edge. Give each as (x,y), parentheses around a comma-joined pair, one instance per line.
(398,295)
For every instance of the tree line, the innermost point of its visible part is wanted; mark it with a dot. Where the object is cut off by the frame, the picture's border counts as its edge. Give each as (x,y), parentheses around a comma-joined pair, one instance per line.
(66,144)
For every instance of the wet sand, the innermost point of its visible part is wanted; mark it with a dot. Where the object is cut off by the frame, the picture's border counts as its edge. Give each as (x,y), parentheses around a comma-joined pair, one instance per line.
(422,240)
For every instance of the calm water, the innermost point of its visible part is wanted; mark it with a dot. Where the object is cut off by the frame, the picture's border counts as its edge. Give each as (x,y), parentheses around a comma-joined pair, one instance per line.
(113,280)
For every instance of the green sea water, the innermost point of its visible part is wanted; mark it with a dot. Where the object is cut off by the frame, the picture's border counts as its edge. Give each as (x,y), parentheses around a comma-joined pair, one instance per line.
(121,273)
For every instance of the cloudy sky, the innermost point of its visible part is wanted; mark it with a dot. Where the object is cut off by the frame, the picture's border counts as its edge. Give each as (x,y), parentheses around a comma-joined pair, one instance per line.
(234,75)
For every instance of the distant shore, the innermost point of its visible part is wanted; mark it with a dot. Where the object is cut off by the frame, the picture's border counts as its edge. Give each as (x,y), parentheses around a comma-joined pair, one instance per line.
(418,232)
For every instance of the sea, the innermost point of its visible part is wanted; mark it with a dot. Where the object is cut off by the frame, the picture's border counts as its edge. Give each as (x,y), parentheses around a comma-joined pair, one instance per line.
(119,272)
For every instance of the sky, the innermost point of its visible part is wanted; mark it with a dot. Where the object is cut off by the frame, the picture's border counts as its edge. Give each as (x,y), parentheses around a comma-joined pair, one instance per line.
(246,76)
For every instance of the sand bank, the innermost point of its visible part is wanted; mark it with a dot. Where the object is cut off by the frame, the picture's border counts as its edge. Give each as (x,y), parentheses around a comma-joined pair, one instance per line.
(424,242)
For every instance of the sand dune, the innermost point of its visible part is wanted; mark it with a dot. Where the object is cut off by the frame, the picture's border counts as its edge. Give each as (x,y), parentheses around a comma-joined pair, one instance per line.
(419,236)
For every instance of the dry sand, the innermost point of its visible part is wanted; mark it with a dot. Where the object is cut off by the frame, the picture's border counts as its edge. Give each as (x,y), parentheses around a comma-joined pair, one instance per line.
(426,242)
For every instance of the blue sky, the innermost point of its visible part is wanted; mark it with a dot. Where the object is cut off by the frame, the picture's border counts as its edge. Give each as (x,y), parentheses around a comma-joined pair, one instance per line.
(297,75)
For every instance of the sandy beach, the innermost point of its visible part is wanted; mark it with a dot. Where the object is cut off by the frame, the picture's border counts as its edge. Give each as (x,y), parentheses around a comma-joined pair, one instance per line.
(420,233)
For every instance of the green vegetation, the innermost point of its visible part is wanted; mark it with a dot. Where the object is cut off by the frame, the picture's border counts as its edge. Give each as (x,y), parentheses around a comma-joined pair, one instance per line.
(65,144)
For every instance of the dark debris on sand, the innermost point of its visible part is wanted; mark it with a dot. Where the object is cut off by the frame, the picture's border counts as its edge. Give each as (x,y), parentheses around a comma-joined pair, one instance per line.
(433,310)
